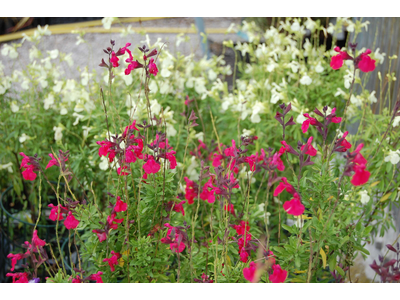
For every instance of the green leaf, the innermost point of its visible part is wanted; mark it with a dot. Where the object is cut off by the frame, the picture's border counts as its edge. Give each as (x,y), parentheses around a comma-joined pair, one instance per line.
(340,270)
(332,262)
(345,239)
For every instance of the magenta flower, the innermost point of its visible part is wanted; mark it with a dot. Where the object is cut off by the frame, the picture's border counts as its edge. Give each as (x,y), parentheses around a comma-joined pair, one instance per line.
(151,166)
(113,260)
(56,212)
(250,272)
(366,63)
(114,60)
(121,171)
(19,277)
(278,275)
(70,222)
(294,207)
(311,150)
(14,259)
(230,208)
(191,190)
(96,277)
(306,123)
(178,207)
(172,160)
(282,186)
(242,227)
(26,163)
(120,206)
(153,67)
(111,220)
(244,256)
(207,194)
(337,60)
(101,234)
(36,241)
(175,238)
(105,149)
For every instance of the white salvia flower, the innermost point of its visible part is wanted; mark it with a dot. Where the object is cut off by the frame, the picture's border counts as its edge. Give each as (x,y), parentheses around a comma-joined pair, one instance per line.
(340,92)
(103,165)
(212,75)
(155,107)
(350,27)
(379,56)
(348,78)
(78,117)
(153,87)
(126,31)
(171,131)
(393,157)
(53,53)
(257,108)
(107,22)
(271,66)
(295,26)
(300,118)
(34,53)
(319,68)
(276,96)
(357,101)
(8,167)
(310,24)
(57,86)
(241,84)
(14,107)
(86,131)
(306,80)
(200,136)
(247,132)
(249,69)
(68,59)
(49,101)
(63,111)
(9,51)
(165,73)
(372,97)
(23,138)
(25,84)
(85,76)
(294,65)
(364,196)
(44,30)
(58,133)
(340,133)
(396,121)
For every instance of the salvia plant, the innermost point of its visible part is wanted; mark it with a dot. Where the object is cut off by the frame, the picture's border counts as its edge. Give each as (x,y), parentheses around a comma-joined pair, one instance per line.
(257,181)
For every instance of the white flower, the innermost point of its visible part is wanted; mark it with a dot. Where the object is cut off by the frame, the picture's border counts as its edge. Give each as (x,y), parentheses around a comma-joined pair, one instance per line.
(396,121)
(126,31)
(107,22)
(310,24)
(49,101)
(379,56)
(63,111)
(295,26)
(319,68)
(10,51)
(53,53)
(78,117)
(7,166)
(372,97)
(34,53)
(171,131)
(247,132)
(306,80)
(57,86)
(14,107)
(340,92)
(300,118)
(68,59)
(85,78)
(350,27)
(393,157)
(257,108)
(200,136)
(23,138)
(299,222)
(212,75)
(86,131)
(155,107)
(276,96)
(356,100)
(191,170)
(340,133)
(348,78)
(57,133)
(153,87)
(294,65)
(103,165)
(165,72)
(200,85)
(364,196)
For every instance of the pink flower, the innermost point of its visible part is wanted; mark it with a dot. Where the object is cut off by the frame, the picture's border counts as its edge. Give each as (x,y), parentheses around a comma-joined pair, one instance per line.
(244,256)
(52,162)
(190,190)
(282,186)
(96,277)
(250,272)
(366,64)
(56,212)
(121,172)
(207,194)
(178,207)
(28,173)
(278,275)
(19,277)
(337,60)
(36,241)
(120,205)
(306,123)
(172,160)
(311,150)
(217,160)
(335,119)
(294,207)
(361,175)
(70,222)
(231,151)
(151,166)
(77,279)
(152,67)
(113,260)
(14,259)
(114,60)
(242,227)
(101,234)
(105,149)
(111,220)
(175,238)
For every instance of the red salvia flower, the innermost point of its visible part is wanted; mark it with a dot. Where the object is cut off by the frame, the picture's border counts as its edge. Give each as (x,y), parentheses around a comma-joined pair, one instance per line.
(113,260)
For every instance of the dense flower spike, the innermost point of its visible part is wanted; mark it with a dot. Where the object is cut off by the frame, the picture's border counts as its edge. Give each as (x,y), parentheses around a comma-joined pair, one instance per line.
(278,275)
(113,260)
